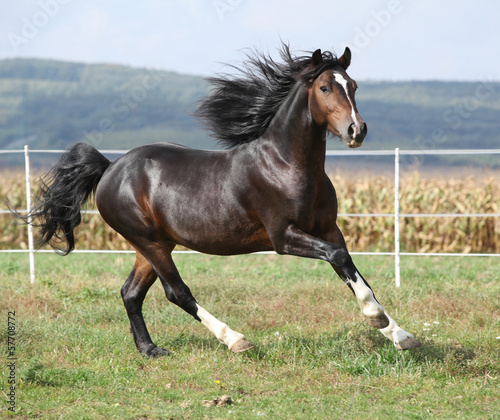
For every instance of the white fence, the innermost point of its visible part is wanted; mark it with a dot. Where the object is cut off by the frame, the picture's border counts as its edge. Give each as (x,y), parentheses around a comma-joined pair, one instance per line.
(396,153)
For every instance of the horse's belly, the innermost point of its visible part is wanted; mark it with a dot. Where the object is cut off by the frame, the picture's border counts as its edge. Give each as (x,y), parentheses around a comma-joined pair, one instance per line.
(213,230)
(226,241)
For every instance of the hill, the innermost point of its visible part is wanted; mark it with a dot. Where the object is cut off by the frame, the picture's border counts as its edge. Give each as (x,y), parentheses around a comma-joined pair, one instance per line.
(51,104)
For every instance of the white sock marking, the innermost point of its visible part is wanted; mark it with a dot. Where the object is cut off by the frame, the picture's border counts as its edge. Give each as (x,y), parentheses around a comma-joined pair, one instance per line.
(395,333)
(369,306)
(223,333)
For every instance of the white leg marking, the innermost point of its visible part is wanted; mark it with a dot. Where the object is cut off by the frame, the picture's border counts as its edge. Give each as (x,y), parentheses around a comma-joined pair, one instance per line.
(223,333)
(402,340)
(369,306)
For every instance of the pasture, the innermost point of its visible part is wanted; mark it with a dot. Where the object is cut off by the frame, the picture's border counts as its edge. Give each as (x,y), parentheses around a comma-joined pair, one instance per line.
(315,356)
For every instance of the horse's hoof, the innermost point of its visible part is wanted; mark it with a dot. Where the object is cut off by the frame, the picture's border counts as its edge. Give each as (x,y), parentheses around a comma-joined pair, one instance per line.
(408,343)
(155,352)
(241,345)
(158,351)
(379,322)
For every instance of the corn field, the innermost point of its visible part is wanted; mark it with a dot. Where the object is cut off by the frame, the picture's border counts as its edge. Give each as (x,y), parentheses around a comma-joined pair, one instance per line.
(369,194)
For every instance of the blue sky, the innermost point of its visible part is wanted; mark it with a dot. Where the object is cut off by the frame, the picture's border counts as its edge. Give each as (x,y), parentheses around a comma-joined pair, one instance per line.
(390,39)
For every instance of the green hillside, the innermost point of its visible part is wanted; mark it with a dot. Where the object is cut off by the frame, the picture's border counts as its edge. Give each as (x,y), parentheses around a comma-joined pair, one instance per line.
(50,104)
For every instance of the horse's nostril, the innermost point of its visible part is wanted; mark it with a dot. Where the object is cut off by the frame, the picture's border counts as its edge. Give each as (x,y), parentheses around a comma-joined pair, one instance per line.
(350,130)
(364,129)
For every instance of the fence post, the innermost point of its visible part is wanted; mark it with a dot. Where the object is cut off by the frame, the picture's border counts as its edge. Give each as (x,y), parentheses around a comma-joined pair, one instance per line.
(29,218)
(397,266)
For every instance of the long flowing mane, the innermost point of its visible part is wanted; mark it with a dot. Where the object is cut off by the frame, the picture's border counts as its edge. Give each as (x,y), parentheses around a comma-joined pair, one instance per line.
(239,108)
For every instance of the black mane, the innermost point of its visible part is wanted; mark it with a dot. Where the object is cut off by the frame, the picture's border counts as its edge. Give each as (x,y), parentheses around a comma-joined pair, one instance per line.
(239,109)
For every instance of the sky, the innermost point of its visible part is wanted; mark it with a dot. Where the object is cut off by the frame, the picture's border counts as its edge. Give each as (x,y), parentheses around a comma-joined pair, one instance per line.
(390,39)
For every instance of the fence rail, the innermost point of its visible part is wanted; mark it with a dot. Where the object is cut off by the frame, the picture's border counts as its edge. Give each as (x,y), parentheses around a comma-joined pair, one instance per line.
(396,215)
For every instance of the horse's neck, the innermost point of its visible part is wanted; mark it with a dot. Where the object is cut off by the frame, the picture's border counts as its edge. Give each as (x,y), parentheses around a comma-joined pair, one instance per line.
(294,135)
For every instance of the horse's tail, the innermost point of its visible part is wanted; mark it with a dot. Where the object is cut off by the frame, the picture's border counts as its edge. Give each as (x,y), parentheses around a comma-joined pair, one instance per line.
(64,189)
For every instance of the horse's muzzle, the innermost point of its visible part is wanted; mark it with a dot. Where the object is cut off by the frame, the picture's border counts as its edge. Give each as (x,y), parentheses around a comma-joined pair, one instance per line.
(357,134)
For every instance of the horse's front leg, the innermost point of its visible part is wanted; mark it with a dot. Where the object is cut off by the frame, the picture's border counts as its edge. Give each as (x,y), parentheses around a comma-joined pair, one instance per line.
(370,307)
(333,249)
(373,311)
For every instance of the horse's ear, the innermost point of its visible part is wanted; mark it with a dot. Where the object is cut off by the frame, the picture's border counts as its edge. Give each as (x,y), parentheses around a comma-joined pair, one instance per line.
(317,57)
(345,60)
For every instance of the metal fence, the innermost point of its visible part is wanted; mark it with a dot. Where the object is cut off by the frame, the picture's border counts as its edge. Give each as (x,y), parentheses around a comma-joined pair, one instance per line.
(396,153)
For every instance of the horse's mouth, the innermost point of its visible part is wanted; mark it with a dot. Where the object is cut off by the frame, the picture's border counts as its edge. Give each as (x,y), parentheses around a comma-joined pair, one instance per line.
(352,144)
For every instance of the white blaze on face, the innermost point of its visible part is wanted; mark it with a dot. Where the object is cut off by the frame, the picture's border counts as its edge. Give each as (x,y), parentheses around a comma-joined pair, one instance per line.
(343,82)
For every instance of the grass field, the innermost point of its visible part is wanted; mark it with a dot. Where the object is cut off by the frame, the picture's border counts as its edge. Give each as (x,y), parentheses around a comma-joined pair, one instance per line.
(315,357)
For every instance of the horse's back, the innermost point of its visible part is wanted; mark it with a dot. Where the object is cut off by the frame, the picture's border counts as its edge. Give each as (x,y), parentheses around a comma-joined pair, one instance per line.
(162,153)
(156,159)
(136,175)
(190,196)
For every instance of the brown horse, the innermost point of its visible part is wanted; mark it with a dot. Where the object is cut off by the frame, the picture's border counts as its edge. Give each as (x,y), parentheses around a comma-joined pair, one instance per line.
(269,191)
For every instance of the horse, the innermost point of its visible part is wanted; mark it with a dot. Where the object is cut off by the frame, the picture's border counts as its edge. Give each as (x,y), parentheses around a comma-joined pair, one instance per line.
(265,190)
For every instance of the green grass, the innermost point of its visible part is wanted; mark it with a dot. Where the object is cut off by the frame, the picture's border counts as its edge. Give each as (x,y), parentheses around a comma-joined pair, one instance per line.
(315,357)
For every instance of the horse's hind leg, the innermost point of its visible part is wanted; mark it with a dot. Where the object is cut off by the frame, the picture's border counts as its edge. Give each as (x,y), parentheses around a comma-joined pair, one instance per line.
(178,292)
(133,293)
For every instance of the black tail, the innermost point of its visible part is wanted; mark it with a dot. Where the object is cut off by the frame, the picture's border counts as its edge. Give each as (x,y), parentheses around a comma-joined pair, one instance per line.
(65,188)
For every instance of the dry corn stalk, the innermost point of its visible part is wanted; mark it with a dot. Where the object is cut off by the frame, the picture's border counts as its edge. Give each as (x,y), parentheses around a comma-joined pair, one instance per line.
(369,194)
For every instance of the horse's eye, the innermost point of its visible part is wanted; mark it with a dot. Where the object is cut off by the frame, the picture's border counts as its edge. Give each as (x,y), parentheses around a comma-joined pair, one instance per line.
(324,89)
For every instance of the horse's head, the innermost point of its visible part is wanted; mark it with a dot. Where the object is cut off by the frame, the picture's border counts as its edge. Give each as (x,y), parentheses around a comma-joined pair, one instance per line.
(331,101)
